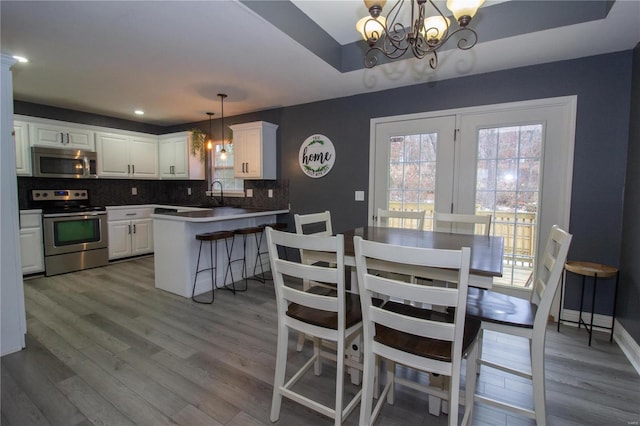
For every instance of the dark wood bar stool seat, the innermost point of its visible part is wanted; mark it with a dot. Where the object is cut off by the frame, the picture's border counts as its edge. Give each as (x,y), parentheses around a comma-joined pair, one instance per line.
(213,238)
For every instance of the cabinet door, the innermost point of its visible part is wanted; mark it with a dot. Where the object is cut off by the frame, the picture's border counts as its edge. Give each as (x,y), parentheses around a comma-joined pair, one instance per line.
(62,136)
(119,239)
(113,155)
(144,157)
(23,153)
(247,161)
(142,236)
(173,158)
(31,250)
(166,156)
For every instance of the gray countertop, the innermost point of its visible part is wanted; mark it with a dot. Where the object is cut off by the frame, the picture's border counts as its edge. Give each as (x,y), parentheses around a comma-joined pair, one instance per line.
(216,214)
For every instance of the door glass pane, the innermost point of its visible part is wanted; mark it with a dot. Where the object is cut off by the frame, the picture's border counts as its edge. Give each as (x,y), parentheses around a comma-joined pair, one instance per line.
(507,188)
(412,174)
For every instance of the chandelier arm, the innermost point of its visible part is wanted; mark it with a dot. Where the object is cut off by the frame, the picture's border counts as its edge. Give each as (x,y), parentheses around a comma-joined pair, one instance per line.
(464,43)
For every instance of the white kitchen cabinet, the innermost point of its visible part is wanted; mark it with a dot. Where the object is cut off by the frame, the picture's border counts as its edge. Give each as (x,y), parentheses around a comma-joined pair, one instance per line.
(175,158)
(254,150)
(122,155)
(61,135)
(31,249)
(23,151)
(130,232)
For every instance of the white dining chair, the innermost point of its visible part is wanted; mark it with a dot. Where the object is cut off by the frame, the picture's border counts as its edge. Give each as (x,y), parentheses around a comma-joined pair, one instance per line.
(426,340)
(403,218)
(322,313)
(461,223)
(525,318)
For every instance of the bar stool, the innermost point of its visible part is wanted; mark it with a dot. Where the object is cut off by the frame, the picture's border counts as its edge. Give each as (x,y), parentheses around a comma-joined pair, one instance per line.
(213,238)
(245,232)
(595,270)
(278,226)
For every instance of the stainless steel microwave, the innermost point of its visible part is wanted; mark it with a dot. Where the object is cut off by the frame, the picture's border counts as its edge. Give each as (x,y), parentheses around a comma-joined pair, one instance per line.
(64,163)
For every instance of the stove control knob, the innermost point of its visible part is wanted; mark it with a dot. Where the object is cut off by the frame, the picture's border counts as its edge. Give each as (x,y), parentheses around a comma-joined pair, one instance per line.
(77,194)
(44,194)
(36,194)
(84,194)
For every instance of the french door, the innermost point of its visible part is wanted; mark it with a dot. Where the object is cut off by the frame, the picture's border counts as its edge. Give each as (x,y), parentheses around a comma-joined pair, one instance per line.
(510,161)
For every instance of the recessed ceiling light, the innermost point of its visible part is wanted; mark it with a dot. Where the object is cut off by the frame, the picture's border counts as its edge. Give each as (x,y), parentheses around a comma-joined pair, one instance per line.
(138,112)
(21,59)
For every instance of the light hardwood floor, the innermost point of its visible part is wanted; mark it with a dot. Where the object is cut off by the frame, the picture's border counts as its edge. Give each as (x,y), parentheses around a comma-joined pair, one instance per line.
(105,347)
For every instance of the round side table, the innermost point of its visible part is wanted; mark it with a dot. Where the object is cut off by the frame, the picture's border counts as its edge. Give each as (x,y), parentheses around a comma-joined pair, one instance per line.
(595,270)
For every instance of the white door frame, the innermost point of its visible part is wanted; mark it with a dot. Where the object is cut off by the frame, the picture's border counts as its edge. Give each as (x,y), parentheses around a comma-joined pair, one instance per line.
(558,157)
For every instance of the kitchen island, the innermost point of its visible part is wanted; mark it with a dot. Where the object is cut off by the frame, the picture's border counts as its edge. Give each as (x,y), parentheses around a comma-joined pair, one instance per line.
(176,247)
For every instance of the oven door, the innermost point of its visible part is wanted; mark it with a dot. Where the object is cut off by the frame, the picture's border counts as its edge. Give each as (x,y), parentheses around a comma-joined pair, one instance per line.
(74,232)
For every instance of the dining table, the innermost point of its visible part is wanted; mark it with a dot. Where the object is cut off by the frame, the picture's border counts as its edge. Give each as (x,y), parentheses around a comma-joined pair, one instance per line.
(486,251)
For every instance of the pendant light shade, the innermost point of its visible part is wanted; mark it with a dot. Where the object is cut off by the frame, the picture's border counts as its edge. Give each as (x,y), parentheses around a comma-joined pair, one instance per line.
(223,152)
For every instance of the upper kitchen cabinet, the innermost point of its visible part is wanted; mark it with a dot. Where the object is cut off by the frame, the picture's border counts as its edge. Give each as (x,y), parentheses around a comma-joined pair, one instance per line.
(254,150)
(127,156)
(175,157)
(23,154)
(61,135)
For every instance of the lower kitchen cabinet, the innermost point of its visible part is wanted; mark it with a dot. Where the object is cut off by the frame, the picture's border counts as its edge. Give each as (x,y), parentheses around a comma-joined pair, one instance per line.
(31,249)
(130,232)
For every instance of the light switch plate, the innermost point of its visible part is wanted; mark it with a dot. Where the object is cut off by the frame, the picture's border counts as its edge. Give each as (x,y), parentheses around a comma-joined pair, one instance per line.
(359,195)
(188,191)
(134,191)
(270,193)
(249,193)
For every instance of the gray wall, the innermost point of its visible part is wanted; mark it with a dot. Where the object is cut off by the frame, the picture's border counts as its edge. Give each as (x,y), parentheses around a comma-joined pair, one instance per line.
(629,297)
(602,84)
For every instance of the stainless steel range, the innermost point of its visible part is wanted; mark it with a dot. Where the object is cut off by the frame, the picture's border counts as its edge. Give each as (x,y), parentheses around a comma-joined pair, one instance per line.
(74,232)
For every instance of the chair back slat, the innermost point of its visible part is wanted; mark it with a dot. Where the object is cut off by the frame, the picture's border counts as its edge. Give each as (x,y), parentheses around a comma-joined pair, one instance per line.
(461,223)
(420,293)
(417,326)
(319,223)
(407,219)
(315,301)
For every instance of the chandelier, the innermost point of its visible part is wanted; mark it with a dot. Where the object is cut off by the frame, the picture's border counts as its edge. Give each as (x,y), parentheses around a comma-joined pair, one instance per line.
(423,36)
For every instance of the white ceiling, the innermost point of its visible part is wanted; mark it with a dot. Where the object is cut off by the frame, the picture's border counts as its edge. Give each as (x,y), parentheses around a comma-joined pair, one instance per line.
(171,58)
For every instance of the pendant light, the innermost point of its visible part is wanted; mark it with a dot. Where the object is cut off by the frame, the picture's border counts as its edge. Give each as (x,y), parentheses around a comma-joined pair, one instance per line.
(223,152)
(210,140)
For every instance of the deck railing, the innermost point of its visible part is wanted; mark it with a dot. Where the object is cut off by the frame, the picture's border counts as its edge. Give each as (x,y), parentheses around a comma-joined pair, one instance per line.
(517,229)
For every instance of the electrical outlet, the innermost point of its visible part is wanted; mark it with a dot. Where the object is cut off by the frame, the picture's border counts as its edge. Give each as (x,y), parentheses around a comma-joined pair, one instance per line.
(134,191)
(249,193)
(270,193)
(359,195)
(188,191)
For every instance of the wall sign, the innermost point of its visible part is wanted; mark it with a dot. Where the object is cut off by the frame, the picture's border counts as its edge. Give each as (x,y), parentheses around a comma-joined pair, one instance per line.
(316,156)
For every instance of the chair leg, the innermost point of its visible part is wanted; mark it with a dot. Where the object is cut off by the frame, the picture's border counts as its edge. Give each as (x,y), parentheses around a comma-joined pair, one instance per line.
(369,383)
(317,346)
(281,367)
(537,372)
(339,381)
(391,373)
(470,385)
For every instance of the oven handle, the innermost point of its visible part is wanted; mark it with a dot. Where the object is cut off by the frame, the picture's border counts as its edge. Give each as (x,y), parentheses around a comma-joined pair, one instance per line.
(74,214)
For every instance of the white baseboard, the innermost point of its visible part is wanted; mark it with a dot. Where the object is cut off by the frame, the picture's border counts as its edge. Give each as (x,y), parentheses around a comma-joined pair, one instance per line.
(629,347)
(599,321)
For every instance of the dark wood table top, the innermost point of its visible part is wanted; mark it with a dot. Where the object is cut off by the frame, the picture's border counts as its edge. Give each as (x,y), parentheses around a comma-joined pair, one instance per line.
(486,252)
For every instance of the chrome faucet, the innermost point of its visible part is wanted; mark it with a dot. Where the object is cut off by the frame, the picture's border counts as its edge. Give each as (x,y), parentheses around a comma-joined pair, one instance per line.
(221,191)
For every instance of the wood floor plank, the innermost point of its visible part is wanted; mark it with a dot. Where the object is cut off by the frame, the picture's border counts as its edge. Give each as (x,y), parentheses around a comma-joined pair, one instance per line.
(109,387)
(92,405)
(120,351)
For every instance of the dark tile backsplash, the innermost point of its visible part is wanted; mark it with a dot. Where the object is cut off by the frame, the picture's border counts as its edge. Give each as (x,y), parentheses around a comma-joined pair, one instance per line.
(110,192)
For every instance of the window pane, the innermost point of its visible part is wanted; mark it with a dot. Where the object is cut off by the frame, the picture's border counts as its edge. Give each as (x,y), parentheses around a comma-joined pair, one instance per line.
(223,169)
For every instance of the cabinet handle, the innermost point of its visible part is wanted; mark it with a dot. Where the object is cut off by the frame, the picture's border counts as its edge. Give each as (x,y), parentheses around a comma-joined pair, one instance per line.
(130,214)
(134,229)
(68,138)
(61,138)
(133,169)
(128,169)
(129,229)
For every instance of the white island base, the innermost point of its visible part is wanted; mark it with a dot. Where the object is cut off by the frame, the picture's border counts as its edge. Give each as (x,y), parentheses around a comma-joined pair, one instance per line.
(176,247)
